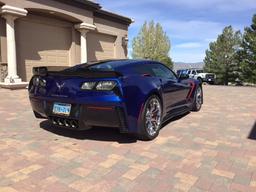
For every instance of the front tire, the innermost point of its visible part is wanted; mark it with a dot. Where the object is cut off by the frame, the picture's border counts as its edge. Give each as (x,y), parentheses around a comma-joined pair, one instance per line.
(151,119)
(198,99)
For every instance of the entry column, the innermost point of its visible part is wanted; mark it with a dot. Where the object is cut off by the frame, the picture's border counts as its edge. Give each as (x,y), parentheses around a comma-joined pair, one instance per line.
(10,14)
(84,28)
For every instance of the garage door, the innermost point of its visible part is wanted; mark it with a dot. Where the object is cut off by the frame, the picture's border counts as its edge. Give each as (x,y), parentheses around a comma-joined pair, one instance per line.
(100,46)
(41,44)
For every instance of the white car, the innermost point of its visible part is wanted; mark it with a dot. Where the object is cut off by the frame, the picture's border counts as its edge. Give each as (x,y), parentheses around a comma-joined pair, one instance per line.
(199,75)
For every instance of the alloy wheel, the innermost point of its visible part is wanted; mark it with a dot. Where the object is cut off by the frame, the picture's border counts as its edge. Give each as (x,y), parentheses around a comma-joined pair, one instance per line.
(198,98)
(153,116)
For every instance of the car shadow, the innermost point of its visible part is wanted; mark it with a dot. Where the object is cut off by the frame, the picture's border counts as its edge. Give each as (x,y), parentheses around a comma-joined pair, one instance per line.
(252,134)
(96,133)
(174,119)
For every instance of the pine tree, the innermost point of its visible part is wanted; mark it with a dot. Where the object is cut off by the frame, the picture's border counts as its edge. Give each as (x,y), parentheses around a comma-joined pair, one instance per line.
(152,43)
(248,53)
(221,57)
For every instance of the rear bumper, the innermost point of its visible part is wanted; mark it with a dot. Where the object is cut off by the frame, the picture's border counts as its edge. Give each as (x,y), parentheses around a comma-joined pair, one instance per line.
(83,115)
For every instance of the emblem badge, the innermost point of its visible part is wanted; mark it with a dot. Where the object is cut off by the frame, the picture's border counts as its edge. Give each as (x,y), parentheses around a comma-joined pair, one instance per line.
(60,85)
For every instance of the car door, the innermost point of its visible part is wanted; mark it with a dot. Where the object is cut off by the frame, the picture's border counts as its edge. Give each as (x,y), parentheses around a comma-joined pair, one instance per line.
(174,92)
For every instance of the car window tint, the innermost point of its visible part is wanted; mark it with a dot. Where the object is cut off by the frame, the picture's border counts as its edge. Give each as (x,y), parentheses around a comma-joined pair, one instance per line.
(102,67)
(143,69)
(194,72)
(162,71)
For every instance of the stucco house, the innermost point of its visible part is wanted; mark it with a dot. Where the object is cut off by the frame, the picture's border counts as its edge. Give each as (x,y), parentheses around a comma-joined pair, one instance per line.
(57,33)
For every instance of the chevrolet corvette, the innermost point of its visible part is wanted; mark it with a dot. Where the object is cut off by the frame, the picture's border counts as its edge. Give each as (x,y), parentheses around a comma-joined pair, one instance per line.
(135,96)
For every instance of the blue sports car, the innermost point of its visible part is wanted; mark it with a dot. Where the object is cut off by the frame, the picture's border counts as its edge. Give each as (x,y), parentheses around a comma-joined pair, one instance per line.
(135,96)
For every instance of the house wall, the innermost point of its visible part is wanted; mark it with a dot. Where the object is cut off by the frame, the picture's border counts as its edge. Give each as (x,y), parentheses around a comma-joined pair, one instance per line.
(47,35)
(3,45)
(42,41)
(66,11)
(116,29)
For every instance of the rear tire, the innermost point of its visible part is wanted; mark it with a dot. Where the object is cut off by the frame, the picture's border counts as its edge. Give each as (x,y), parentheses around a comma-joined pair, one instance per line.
(198,99)
(151,119)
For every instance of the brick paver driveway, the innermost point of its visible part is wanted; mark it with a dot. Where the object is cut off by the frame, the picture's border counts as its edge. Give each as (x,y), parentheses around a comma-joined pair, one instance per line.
(212,150)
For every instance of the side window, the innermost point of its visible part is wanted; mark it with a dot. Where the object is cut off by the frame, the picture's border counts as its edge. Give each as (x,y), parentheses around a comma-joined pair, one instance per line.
(162,71)
(194,72)
(189,71)
(142,69)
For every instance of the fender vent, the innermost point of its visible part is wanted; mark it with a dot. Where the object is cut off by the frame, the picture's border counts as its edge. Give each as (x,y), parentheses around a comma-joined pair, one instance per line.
(123,122)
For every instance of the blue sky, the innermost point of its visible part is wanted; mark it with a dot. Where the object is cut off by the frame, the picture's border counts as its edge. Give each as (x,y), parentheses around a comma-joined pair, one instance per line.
(190,24)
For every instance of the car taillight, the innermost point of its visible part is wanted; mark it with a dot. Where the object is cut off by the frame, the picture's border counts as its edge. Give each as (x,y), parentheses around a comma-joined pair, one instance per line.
(37,81)
(88,85)
(105,85)
(100,86)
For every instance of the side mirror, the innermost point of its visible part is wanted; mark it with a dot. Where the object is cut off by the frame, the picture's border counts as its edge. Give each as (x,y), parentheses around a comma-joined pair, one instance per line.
(183,76)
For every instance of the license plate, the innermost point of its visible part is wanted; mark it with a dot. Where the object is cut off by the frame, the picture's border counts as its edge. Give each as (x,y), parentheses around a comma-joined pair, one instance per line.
(61,109)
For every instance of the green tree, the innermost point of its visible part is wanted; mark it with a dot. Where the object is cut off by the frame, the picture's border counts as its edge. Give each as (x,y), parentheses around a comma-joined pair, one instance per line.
(248,53)
(221,57)
(152,43)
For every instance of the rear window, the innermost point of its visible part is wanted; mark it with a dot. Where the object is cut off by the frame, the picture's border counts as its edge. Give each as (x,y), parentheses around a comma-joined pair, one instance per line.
(106,66)
(102,67)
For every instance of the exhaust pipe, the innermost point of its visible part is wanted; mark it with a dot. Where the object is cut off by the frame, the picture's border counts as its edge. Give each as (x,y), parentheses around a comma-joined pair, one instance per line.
(60,122)
(72,123)
(54,122)
(66,123)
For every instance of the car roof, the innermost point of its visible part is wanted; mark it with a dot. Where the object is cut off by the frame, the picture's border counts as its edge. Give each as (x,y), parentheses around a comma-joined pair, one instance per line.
(120,65)
(123,66)
(121,62)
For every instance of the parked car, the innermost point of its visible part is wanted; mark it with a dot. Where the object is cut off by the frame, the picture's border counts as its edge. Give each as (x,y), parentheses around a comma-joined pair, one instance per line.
(199,75)
(135,96)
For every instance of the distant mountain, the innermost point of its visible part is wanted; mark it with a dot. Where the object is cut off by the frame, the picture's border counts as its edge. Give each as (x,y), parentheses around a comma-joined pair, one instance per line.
(182,65)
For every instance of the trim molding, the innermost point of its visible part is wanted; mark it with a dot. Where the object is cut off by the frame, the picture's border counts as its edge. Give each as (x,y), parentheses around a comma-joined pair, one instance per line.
(7,9)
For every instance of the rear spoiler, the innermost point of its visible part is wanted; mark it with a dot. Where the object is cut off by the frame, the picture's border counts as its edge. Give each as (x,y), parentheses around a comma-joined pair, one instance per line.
(43,71)
(60,71)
